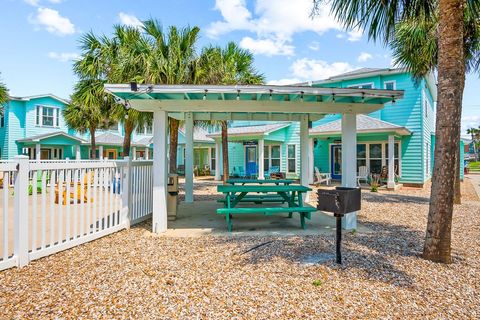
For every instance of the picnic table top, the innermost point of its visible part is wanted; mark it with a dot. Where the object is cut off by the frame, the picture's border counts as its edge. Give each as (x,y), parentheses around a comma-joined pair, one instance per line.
(262,188)
(260,181)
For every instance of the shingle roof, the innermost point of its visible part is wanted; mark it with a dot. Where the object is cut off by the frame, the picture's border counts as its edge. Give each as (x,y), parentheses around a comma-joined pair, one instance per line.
(144,141)
(199,135)
(365,124)
(253,130)
(43,136)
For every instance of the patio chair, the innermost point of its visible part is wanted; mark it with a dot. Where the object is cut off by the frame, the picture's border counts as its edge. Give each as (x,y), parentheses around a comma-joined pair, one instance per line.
(88,177)
(273,172)
(362,175)
(322,177)
(206,170)
(196,171)
(384,174)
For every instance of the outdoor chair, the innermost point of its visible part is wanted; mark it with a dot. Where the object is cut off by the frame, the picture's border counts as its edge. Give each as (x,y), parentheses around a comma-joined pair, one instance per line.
(362,175)
(384,174)
(272,171)
(71,198)
(322,177)
(206,170)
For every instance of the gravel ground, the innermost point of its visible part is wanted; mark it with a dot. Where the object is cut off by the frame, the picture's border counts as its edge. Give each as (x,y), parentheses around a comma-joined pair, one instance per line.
(136,274)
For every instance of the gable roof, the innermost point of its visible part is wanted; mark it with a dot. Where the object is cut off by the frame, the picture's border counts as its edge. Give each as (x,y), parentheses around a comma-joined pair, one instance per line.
(49,95)
(199,135)
(252,130)
(365,124)
(39,137)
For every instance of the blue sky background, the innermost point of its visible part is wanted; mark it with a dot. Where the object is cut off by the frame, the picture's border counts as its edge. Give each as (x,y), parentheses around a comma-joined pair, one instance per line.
(40,39)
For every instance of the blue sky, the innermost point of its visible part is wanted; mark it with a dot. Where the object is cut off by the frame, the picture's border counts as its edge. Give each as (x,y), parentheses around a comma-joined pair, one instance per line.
(40,39)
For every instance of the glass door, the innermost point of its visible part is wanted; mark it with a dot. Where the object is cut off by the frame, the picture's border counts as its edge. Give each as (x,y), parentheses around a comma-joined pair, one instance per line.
(251,160)
(336,161)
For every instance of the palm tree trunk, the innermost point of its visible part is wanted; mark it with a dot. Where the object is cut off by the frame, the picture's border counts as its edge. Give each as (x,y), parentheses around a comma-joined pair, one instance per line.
(225,151)
(127,140)
(174,124)
(457,198)
(451,81)
(93,147)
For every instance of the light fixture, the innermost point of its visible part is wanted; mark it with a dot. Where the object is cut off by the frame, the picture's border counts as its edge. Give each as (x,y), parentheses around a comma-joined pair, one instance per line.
(205,95)
(363,97)
(270,94)
(238,94)
(333,97)
(301,96)
(393,100)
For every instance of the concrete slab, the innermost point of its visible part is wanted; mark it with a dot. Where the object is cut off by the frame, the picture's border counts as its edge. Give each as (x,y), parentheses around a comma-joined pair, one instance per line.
(200,218)
(475,179)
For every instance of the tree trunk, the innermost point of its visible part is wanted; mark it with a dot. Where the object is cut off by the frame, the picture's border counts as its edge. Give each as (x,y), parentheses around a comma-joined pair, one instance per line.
(127,140)
(225,151)
(457,197)
(451,81)
(174,123)
(93,147)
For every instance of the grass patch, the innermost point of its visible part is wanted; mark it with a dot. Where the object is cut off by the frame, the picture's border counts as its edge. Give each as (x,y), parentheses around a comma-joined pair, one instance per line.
(474,166)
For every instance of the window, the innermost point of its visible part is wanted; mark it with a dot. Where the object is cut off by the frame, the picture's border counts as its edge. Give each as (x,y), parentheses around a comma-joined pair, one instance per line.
(2,120)
(146,129)
(389,85)
(361,155)
(375,154)
(47,116)
(291,158)
(362,86)
(271,156)
(426,105)
(213,159)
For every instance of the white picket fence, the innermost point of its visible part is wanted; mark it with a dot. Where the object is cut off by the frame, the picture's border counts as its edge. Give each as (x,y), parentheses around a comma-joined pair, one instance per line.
(56,205)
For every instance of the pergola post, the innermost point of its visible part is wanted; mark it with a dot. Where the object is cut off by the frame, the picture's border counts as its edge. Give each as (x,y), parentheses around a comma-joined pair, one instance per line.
(147,153)
(349,162)
(261,157)
(391,162)
(218,161)
(188,157)
(160,134)
(134,153)
(100,152)
(311,160)
(304,150)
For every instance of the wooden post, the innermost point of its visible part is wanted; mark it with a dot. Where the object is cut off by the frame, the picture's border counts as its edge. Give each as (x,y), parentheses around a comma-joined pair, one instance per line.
(189,157)
(311,162)
(20,210)
(391,162)
(261,158)
(349,162)
(160,150)
(218,161)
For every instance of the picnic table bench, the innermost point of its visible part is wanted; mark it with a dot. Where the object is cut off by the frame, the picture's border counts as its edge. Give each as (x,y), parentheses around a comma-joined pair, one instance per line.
(260,181)
(258,194)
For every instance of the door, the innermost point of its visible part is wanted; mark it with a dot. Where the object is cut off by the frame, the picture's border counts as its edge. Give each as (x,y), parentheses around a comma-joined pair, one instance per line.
(45,154)
(336,161)
(251,160)
(111,154)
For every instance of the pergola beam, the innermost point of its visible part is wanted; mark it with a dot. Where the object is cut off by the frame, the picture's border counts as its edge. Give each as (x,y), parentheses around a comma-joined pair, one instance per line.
(245,116)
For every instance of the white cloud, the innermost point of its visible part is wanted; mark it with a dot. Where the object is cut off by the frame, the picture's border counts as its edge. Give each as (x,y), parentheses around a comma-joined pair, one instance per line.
(53,22)
(267,47)
(283,82)
(55,1)
(311,69)
(470,122)
(32,2)
(63,56)
(355,35)
(129,20)
(364,56)
(314,46)
(272,20)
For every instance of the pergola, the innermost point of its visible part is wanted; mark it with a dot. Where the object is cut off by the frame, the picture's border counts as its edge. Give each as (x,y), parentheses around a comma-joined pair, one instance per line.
(259,102)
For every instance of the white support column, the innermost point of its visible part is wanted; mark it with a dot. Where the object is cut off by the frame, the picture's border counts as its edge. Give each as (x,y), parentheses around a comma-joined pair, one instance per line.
(311,162)
(189,157)
(261,157)
(20,210)
(209,158)
(160,175)
(134,153)
(304,150)
(218,161)
(391,162)
(78,155)
(100,152)
(147,153)
(38,151)
(349,162)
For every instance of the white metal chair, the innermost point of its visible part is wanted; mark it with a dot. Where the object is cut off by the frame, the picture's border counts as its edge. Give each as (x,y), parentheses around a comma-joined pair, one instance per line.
(322,177)
(362,175)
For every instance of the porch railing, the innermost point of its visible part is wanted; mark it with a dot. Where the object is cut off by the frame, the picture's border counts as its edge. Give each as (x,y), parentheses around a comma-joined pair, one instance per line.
(56,205)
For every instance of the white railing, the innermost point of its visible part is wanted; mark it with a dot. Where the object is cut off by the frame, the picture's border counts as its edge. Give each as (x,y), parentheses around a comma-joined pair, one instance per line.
(58,205)
(7,177)
(141,202)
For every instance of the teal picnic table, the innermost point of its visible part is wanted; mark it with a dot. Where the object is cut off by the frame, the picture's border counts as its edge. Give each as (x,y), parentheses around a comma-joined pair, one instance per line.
(260,194)
(260,181)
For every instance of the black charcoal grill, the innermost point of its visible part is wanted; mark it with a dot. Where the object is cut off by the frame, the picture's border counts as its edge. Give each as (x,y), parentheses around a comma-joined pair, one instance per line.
(339,201)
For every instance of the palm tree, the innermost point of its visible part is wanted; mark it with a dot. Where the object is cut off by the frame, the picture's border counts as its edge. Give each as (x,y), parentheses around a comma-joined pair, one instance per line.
(3,93)
(229,65)
(89,110)
(380,18)
(415,47)
(474,133)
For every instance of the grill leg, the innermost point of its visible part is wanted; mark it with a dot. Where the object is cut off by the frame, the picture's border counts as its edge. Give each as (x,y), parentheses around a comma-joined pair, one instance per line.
(338,241)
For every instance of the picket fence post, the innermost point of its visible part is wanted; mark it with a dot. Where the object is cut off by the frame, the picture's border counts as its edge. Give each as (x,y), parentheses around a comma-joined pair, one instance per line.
(20,208)
(127,192)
